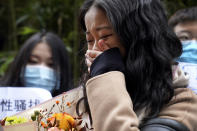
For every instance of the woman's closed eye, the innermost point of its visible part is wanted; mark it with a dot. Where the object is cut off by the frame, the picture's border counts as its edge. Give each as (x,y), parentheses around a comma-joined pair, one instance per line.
(102,37)
(90,42)
(105,36)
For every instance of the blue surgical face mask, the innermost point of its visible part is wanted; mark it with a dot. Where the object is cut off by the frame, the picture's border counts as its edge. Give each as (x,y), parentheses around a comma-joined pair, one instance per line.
(188,62)
(41,77)
(189,54)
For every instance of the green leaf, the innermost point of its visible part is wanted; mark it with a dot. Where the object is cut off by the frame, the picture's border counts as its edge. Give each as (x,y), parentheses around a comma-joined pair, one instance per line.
(5,59)
(5,65)
(27,30)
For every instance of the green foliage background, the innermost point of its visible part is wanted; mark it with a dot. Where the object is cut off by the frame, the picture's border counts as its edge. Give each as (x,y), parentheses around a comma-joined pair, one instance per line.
(19,19)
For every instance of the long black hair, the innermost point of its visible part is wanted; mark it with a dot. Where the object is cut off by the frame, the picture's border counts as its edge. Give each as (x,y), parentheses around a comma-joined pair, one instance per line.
(14,75)
(151,48)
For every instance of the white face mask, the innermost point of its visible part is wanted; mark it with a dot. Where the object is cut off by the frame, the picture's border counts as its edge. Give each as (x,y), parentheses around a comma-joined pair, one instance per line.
(41,77)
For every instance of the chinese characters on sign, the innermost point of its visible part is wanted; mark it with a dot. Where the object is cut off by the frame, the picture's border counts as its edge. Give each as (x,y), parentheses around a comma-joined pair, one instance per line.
(14,100)
(17,105)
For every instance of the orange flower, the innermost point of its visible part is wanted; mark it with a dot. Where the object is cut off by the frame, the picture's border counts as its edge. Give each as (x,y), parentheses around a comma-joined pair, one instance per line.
(43,124)
(66,121)
(68,104)
(57,102)
(49,119)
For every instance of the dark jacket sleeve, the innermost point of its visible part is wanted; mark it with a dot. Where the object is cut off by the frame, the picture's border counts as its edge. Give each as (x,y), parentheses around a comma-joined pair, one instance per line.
(109,60)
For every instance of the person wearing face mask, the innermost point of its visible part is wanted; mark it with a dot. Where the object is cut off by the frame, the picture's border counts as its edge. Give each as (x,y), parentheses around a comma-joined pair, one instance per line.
(184,24)
(42,62)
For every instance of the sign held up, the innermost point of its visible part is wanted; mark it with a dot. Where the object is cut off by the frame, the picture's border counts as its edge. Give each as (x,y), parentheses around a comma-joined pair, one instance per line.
(17,99)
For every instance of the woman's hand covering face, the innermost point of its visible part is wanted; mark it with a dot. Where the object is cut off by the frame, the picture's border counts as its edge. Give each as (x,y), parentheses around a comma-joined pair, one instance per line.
(92,54)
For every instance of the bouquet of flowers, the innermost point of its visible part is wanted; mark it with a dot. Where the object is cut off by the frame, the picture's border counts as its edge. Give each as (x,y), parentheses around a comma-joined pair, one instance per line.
(61,121)
(54,118)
